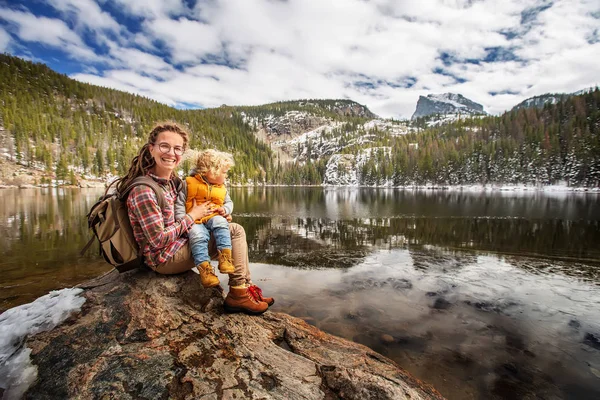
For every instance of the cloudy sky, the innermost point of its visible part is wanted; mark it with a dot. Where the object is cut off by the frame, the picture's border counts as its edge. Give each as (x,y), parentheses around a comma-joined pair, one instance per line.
(380,53)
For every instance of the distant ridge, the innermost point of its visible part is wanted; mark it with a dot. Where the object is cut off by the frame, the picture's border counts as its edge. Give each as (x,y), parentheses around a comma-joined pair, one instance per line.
(549,98)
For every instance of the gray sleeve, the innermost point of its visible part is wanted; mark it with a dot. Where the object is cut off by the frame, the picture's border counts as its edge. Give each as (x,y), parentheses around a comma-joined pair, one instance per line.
(180,202)
(228,204)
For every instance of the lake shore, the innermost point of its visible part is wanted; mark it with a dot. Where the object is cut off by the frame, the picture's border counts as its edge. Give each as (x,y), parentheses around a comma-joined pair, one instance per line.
(87,184)
(430,279)
(15,175)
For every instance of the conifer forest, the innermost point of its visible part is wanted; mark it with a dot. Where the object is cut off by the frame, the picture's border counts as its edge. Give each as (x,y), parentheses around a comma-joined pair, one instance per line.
(71,129)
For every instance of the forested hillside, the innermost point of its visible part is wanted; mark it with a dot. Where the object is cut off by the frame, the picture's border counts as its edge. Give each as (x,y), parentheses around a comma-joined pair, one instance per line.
(58,123)
(560,142)
(70,129)
(343,110)
(556,144)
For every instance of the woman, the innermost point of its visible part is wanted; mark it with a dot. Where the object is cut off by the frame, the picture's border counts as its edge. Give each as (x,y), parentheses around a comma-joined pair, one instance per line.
(164,240)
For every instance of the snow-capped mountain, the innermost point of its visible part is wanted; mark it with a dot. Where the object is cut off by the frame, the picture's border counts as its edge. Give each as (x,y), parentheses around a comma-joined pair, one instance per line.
(540,101)
(549,98)
(446,103)
(360,149)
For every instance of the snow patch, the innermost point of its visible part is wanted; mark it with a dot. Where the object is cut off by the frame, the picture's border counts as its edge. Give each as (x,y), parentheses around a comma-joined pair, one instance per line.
(16,324)
(447,98)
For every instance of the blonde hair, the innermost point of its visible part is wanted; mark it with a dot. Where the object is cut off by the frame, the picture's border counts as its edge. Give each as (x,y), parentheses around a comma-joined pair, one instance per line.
(211,160)
(144,161)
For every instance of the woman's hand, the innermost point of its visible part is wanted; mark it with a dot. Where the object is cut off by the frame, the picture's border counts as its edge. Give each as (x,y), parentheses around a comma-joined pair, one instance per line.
(198,211)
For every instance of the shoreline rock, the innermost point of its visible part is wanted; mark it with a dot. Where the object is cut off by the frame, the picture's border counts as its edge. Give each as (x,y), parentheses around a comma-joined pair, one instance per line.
(143,335)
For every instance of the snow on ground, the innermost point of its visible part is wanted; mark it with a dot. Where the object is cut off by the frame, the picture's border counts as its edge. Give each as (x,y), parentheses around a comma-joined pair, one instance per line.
(393,128)
(523,188)
(16,324)
(446,119)
(482,188)
(314,134)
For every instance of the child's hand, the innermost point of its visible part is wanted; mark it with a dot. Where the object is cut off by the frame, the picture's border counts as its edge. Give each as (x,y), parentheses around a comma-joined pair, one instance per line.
(228,217)
(221,211)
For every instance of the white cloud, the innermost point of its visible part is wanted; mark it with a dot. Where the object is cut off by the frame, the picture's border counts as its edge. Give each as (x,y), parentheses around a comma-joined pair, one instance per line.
(130,82)
(382,53)
(137,60)
(188,40)
(152,8)
(143,41)
(48,31)
(560,28)
(86,13)
(4,40)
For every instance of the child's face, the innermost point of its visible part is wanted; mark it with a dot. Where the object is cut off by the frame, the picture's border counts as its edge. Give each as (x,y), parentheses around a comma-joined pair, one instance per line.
(217,178)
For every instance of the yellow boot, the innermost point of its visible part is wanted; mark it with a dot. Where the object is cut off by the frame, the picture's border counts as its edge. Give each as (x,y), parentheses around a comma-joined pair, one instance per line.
(207,275)
(225,262)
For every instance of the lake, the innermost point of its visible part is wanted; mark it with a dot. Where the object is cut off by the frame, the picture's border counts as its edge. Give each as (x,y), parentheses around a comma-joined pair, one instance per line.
(483,295)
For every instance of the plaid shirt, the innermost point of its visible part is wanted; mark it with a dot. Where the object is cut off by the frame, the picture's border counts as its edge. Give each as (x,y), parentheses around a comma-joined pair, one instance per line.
(156,229)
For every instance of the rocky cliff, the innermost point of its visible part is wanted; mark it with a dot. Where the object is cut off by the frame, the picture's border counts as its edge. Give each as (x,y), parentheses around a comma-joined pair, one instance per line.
(145,336)
(446,103)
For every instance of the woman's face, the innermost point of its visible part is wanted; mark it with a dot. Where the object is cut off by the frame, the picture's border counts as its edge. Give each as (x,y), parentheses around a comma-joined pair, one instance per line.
(167,152)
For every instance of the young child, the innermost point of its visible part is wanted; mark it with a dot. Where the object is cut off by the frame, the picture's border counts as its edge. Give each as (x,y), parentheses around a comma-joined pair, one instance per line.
(207,183)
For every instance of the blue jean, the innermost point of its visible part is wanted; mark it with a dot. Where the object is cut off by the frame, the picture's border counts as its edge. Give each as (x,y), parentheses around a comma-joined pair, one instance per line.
(200,234)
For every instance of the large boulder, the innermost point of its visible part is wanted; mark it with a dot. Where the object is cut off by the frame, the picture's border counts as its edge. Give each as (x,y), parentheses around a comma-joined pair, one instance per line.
(146,336)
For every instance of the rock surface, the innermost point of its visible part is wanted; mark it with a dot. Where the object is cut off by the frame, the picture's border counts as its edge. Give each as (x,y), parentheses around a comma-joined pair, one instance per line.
(446,103)
(145,336)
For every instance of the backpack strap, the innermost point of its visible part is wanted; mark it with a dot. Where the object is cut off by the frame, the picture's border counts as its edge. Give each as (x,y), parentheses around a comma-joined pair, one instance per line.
(160,196)
(140,180)
(177,184)
(146,181)
(87,245)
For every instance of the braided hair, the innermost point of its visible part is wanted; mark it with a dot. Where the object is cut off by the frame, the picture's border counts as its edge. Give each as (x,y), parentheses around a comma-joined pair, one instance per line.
(144,161)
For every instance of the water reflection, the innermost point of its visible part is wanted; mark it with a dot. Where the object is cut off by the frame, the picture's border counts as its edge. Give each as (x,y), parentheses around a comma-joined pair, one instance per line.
(476,327)
(41,234)
(350,203)
(491,295)
(334,243)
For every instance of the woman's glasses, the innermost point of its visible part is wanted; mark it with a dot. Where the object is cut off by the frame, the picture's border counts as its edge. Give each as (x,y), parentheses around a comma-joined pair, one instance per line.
(166,148)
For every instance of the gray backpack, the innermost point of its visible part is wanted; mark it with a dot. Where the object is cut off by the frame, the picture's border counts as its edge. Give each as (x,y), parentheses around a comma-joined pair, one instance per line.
(109,221)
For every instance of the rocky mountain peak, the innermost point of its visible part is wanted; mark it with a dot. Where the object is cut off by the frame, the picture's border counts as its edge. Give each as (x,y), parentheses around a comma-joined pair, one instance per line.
(446,103)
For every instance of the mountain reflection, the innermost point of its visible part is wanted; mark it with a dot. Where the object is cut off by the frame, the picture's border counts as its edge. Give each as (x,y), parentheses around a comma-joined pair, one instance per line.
(433,280)
(325,243)
(42,230)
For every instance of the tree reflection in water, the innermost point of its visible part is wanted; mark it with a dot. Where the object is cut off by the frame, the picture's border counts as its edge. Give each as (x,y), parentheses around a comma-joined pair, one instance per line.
(332,243)
(485,295)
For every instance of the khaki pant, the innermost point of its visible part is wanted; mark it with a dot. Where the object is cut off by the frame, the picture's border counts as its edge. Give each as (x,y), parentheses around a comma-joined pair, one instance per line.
(183,261)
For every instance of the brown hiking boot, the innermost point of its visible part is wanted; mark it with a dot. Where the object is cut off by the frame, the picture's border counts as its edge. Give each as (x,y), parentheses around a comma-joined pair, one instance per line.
(207,275)
(256,292)
(225,262)
(240,300)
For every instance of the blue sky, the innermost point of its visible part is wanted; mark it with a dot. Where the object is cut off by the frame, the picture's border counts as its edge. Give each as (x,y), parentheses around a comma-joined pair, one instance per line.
(383,54)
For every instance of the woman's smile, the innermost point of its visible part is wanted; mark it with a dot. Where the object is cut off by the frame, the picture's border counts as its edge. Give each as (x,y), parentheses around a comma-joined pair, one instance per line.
(164,151)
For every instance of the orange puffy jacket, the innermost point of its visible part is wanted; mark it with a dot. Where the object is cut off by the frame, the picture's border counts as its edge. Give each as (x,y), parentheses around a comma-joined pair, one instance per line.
(198,188)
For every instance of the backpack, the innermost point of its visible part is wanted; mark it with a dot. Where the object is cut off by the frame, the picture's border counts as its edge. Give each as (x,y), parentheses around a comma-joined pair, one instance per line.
(109,221)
